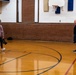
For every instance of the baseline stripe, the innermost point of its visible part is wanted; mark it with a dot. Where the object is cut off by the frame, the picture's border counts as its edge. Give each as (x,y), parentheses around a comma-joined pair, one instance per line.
(70,67)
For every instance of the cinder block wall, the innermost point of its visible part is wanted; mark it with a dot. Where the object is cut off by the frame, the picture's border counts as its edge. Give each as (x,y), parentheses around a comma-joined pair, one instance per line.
(29,30)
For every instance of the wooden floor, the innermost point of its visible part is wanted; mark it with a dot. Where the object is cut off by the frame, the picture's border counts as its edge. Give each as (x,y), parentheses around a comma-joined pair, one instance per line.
(26,57)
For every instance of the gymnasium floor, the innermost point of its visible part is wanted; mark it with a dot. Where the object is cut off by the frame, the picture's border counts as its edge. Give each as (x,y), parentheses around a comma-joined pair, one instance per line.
(26,57)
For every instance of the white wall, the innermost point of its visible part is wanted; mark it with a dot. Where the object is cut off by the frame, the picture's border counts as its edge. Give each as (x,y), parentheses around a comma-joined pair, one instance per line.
(9,11)
(20,10)
(51,17)
(36,11)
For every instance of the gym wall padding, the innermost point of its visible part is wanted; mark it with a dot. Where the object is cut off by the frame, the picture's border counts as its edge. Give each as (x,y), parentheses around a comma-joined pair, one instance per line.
(58,9)
(46,5)
(70,5)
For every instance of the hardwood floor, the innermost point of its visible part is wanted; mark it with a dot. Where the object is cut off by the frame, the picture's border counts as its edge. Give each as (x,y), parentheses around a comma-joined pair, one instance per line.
(28,57)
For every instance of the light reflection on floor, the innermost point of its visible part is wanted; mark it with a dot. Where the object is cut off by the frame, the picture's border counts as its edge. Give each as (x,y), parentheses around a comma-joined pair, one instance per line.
(38,58)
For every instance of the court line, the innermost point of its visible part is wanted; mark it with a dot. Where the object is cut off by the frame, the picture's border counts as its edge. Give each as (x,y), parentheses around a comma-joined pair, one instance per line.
(15,58)
(70,66)
(47,69)
(36,69)
(53,65)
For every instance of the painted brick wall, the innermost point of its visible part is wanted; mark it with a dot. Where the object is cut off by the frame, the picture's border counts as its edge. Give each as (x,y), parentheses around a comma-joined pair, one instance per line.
(35,31)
